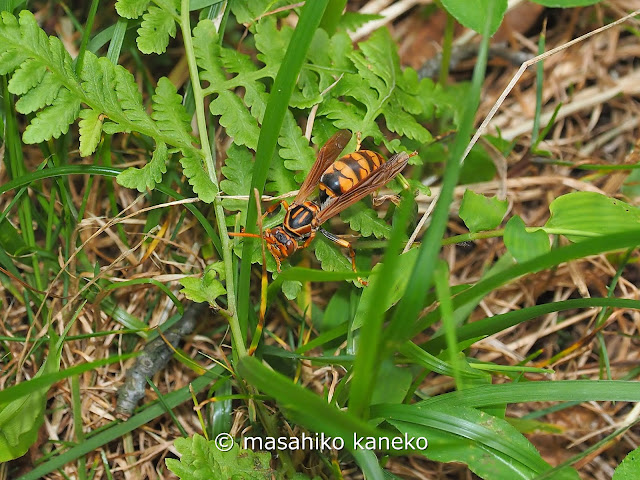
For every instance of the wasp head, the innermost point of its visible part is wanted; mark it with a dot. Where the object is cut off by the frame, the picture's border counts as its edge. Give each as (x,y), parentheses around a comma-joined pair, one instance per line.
(280,243)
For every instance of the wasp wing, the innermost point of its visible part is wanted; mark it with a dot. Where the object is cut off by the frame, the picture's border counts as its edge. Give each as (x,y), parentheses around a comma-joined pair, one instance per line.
(326,156)
(377,179)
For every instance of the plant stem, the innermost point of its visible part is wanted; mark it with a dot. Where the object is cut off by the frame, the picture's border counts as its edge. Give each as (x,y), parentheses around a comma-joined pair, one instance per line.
(236,333)
(447,45)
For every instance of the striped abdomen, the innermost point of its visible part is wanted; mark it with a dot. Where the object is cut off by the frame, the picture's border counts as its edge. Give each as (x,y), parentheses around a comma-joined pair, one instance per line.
(346,173)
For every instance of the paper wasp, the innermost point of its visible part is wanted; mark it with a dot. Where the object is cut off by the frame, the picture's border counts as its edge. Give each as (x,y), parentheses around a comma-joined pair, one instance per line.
(341,183)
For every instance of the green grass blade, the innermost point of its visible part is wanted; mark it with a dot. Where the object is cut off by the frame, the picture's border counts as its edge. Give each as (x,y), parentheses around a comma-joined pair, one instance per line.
(586,248)
(422,274)
(277,105)
(497,323)
(557,391)
(374,303)
(304,407)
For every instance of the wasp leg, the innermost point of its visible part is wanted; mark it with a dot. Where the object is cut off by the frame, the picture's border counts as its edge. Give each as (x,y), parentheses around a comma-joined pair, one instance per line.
(308,240)
(344,244)
(377,201)
(358,140)
(275,253)
(274,207)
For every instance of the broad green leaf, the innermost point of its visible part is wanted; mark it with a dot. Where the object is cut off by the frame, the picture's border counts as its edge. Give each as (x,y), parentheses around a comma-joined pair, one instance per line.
(525,245)
(490,446)
(392,384)
(481,213)
(477,167)
(629,469)
(580,215)
(474,16)
(291,289)
(21,419)
(631,187)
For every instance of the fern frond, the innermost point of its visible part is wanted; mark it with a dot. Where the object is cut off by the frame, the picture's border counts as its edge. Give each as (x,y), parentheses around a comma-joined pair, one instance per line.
(170,116)
(40,95)
(200,182)
(90,131)
(131,8)
(42,72)
(131,103)
(146,177)
(54,120)
(237,173)
(237,120)
(380,89)
(296,151)
(26,76)
(366,221)
(158,22)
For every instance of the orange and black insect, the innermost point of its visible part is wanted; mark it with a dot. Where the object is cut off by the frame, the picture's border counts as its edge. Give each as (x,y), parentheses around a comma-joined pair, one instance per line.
(341,183)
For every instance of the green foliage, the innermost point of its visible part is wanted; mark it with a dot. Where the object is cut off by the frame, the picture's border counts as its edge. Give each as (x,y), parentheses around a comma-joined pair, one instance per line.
(366,221)
(581,215)
(203,460)
(207,288)
(377,88)
(111,95)
(629,469)
(524,245)
(354,20)
(21,419)
(476,17)
(158,23)
(146,177)
(330,257)
(374,88)
(490,446)
(482,213)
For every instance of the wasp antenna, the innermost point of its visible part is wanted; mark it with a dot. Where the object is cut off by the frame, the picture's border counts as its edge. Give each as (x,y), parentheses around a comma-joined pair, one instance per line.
(257,335)
(244,234)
